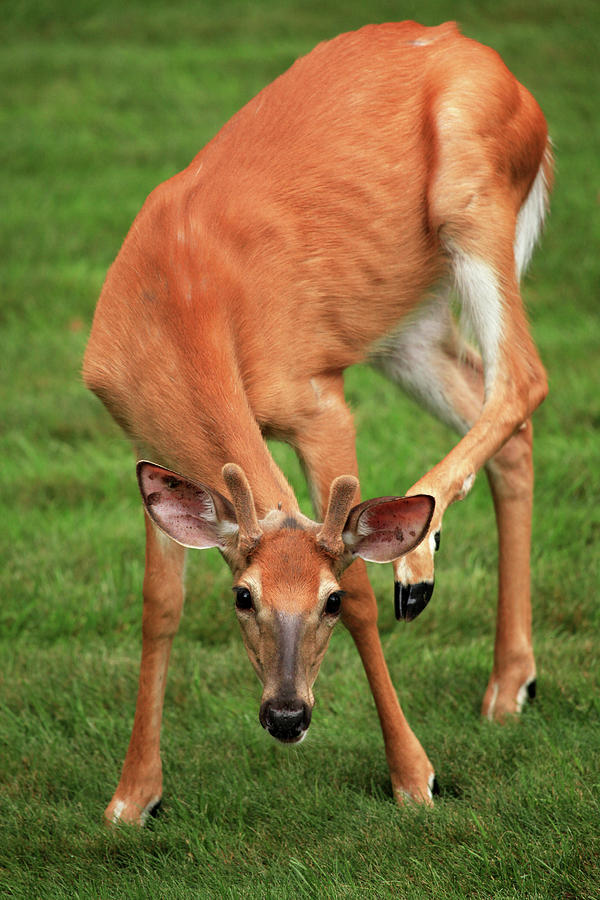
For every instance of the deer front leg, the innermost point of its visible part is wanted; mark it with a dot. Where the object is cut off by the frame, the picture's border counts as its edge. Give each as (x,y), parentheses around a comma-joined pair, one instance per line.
(411,773)
(326,450)
(140,787)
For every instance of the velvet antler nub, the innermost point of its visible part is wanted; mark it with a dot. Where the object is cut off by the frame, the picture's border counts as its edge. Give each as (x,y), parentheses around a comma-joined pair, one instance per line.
(243,502)
(341,500)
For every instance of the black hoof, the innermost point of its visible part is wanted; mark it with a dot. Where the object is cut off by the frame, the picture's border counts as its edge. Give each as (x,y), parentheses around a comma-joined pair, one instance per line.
(531,689)
(154,810)
(435,787)
(411,600)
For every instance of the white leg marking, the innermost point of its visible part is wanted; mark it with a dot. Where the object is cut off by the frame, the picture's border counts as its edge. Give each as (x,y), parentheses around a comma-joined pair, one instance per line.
(521,697)
(119,807)
(407,796)
(524,693)
(492,706)
(430,784)
(403,572)
(466,486)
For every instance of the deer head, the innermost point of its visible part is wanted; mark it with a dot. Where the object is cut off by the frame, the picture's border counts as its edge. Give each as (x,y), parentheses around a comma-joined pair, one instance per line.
(286,570)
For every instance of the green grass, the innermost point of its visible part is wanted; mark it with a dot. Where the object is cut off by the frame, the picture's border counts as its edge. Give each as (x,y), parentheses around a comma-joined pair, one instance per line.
(99,103)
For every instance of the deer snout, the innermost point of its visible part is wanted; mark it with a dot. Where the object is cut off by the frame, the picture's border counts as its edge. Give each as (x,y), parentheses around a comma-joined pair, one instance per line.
(285,720)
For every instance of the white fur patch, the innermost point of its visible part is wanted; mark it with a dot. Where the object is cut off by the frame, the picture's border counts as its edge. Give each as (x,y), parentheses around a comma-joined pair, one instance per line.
(467,485)
(327,586)
(350,539)
(521,697)
(430,784)
(363,528)
(492,706)
(406,795)
(408,356)
(432,542)
(403,572)
(252,581)
(530,221)
(118,810)
(327,399)
(227,528)
(523,694)
(121,805)
(477,285)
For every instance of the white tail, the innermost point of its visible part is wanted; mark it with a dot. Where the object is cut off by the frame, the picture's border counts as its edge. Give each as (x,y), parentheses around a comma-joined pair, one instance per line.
(327,224)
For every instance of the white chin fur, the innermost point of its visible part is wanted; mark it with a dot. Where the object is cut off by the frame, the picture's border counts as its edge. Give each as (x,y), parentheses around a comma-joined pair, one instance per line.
(295,742)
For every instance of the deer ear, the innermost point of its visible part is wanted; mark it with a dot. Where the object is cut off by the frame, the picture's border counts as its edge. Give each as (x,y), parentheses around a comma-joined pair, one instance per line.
(385,528)
(192,514)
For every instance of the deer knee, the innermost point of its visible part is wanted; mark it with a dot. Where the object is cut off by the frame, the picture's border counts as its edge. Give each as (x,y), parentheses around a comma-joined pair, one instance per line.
(538,386)
(163,605)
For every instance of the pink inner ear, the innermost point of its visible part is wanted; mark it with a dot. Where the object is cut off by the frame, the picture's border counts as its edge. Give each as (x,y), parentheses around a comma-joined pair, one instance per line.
(183,510)
(389,529)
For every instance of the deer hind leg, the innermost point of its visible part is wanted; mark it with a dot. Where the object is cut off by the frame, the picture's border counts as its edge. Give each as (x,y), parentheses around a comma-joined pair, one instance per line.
(482,260)
(432,363)
(510,475)
(326,449)
(140,787)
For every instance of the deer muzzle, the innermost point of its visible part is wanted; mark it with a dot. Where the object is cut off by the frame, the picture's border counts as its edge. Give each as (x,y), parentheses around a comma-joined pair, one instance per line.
(286,720)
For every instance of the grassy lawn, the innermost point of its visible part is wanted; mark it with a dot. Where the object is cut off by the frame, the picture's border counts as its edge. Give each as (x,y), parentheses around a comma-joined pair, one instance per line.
(99,103)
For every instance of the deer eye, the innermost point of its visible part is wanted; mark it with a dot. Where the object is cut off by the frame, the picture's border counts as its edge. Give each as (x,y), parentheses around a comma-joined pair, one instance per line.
(243,598)
(334,602)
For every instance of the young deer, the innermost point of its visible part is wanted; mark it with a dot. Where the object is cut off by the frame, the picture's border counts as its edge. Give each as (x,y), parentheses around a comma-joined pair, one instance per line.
(326,224)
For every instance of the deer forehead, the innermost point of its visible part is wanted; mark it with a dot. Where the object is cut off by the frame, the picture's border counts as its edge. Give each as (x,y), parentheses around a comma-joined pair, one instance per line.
(289,572)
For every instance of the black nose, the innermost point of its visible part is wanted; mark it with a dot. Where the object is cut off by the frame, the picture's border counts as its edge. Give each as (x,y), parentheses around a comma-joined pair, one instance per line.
(286,720)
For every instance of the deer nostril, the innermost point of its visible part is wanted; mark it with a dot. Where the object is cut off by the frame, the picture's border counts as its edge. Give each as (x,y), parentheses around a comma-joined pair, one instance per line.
(285,721)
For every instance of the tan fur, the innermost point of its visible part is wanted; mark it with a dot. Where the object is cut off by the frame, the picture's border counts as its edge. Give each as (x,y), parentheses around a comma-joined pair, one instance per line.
(341,499)
(300,239)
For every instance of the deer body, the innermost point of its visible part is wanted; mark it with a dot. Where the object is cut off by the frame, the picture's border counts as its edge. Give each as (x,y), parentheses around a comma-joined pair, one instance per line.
(325,225)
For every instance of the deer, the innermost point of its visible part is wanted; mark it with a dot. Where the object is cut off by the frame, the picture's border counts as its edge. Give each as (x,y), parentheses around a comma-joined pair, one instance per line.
(338,218)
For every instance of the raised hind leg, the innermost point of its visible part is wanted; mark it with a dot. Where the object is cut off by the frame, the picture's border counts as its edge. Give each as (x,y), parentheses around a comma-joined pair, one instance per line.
(432,363)
(487,216)
(327,450)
